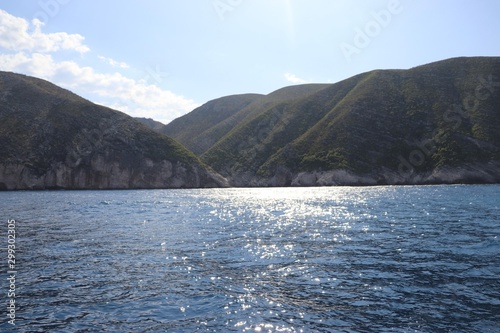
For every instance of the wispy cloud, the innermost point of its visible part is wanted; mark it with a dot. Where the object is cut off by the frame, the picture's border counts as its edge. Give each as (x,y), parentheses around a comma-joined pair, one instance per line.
(292,78)
(32,52)
(113,62)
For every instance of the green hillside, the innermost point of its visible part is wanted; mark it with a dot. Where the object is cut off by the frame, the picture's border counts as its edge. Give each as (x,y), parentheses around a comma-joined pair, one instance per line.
(437,123)
(51,138)
(207,125)
(432,124)
(204,126)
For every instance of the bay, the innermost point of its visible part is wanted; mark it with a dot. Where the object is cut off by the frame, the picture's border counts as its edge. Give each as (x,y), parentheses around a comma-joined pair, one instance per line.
(330,259)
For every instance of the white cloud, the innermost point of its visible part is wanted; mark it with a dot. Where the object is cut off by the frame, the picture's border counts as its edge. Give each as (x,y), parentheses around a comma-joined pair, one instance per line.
(16,34)
(31,53)
(294,79)
(135,97)
(113,62)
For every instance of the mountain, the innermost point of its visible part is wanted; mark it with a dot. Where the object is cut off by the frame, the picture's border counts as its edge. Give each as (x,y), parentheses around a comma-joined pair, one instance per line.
(51,138)
(432,124)
(204,126)
(151,123)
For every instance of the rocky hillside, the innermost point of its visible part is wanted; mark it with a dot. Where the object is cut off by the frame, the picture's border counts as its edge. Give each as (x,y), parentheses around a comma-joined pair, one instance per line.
(437,123)
(52,139)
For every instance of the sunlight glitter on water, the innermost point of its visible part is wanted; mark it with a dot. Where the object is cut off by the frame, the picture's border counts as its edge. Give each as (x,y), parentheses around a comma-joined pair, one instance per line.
(290,260)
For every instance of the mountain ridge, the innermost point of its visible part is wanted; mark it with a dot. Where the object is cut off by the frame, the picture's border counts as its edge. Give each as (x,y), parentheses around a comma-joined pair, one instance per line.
(368,129)
(437,123)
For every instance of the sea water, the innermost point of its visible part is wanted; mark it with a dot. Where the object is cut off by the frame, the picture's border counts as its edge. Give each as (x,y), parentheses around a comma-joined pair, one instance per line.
(331,259)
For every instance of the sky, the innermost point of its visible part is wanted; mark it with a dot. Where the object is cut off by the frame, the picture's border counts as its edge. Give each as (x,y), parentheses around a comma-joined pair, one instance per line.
(160,59)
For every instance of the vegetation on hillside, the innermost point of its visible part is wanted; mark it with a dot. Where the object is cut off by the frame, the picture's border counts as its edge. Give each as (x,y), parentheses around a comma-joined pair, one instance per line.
(44,127)
(439,115)
(383,126)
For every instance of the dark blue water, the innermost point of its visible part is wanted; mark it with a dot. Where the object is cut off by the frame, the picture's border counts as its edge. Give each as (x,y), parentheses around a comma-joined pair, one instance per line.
(379,259)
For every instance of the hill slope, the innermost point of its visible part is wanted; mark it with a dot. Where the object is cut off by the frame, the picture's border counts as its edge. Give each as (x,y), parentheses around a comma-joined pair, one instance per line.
(51,138)
(204,126)
(151,123)
(437,123)
(207,125)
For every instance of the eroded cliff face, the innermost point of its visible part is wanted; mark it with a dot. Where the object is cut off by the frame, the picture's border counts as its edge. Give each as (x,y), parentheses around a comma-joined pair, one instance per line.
(108,174)
(480,173)
(104,161)
(474,173)
(52,139)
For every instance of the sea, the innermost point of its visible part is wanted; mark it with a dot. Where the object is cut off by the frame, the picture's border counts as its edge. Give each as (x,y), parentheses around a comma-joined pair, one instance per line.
(327,259)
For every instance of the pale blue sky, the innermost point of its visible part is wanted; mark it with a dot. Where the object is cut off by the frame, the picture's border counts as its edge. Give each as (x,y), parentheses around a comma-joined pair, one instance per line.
(162,58)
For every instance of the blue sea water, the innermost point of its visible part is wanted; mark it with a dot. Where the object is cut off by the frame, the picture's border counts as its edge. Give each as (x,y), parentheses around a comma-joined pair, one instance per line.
(331,259)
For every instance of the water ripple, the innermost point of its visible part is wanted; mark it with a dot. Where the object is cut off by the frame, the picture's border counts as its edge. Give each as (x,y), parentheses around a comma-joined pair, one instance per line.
(383,259)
